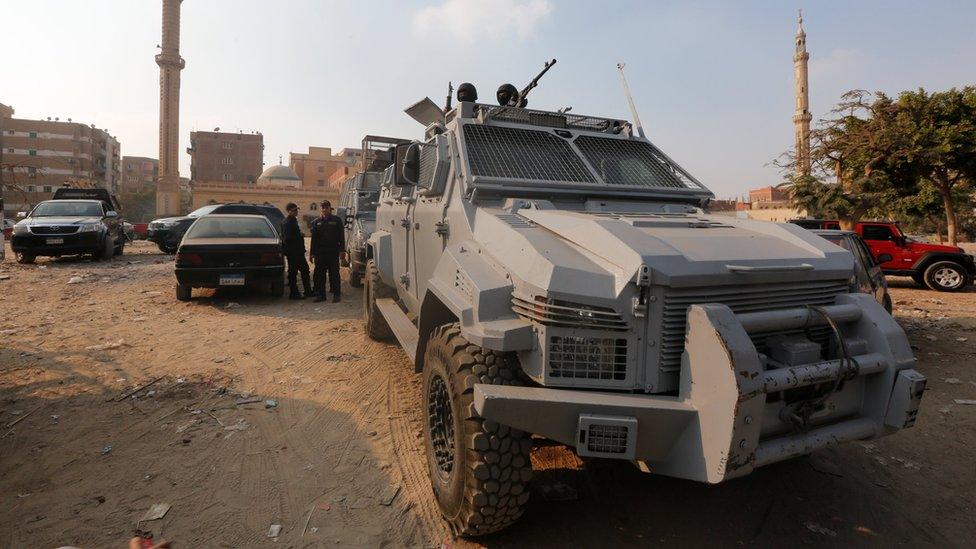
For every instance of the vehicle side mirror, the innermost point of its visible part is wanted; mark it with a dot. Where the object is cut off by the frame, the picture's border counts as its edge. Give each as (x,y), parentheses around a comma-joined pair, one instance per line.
(901,241)
(21,215)
(111,213)
(883,258)
(408,165)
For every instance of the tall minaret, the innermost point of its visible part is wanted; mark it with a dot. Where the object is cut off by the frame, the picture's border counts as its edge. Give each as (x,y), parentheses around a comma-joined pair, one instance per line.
(801,120)
(170,64)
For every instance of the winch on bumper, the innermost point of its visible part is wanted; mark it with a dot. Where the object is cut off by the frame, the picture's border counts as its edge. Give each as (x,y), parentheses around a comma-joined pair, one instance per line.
(737,409)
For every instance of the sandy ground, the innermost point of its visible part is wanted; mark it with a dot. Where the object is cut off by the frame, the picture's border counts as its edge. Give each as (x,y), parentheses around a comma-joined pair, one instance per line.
(338,459)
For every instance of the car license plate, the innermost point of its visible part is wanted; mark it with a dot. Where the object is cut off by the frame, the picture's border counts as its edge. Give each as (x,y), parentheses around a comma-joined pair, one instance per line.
(51,241)
(232,280)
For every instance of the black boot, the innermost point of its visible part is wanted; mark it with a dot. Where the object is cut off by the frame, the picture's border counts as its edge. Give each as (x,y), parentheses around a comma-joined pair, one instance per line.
(336,298)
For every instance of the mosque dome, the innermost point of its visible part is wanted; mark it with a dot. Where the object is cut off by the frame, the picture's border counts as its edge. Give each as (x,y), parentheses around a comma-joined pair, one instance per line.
(279,176)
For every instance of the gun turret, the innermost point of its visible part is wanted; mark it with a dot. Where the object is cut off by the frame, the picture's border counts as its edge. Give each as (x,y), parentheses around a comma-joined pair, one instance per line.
(523,95)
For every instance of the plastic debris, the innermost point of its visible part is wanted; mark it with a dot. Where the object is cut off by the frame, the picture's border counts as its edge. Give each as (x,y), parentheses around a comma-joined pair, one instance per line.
(962,339)
(274,531)
(75,280)
(232,305)
(271,403)
(952,380)
(965,401)
(106,346)
(156,512)
(106,449)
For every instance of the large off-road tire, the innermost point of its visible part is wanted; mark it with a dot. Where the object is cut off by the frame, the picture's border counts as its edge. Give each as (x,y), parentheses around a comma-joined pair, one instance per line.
(120,249)
(376,326)
(25,259)
(355,278)
(167,248)
(946,276)
(479,469)
(183,292)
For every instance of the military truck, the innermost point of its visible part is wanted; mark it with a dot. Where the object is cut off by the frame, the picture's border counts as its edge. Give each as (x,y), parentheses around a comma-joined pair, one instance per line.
(358,201)
(553,275)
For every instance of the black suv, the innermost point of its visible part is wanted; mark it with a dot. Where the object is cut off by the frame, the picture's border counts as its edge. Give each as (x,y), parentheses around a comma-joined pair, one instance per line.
(168,232)
(74,222)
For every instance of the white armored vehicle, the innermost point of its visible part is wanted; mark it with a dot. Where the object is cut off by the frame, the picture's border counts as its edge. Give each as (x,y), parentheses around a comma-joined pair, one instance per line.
(554,275)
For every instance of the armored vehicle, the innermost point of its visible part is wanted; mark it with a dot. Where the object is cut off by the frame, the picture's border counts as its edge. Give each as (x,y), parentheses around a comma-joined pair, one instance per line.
(553,274)
(358,201)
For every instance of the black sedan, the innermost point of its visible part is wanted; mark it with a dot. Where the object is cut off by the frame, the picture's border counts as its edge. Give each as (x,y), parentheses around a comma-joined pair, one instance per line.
(168,232)
(221,251)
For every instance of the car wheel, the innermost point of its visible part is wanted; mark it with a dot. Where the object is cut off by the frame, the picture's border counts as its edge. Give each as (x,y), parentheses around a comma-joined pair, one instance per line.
(183,292)
(919,279)
(166,248)
(107,251)
(376,326)
(25,259)
(946,276)
(355,278)
(479,469)
(277,288)
(120,249)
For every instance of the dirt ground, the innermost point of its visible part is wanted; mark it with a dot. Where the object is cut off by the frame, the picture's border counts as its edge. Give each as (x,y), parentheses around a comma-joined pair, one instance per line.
(337,458)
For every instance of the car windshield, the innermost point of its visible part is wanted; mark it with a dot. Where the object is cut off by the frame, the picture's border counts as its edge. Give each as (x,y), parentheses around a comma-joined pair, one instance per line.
(199,212)
(231,227)
(67,208)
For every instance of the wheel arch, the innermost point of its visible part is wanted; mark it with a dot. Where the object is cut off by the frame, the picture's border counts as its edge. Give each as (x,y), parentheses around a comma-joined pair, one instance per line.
(929,258)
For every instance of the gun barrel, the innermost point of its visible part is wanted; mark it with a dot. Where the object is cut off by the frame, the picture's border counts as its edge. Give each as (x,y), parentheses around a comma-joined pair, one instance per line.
(534,82)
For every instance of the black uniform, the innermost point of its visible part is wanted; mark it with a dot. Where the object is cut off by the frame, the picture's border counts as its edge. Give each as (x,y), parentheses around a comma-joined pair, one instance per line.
(328,241)
(293,242)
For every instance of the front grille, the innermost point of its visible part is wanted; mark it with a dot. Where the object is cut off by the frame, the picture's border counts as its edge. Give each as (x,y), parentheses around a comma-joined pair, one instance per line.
(565,314)
(54,229)
(523,155)
(577,357)
(607,439)
(742,299)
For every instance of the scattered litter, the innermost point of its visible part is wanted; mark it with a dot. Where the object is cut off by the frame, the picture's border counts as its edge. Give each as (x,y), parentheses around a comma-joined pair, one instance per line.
(968,401)
(4,277)
(907,464)
(241,401)
(239,426)
(181,380)
(150,393)
(274,531)
(388,495)
(55,417)
(156,512)
(232,305)
(139,319)
(931,338)
(75,280)
(962,339)
(154,294)
(219,359)
(952,380)
(371,433)
(137,389)
(107,346)
(946,409)
(182,428)
(325,506)
(313,529)
(106,449)
(816,528)
(24,495)
(271,403)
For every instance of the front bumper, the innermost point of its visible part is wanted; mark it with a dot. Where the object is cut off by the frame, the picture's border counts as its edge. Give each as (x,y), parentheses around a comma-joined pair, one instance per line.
(732,412)
(209,277)
(162,235)
(74,244)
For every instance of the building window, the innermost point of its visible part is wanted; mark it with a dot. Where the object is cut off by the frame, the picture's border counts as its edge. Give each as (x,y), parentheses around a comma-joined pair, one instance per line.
(320,182)
(31,189)
(32,152)
(227,145)
(71,161)
(313,206)
(33,134)
(48,189)
(228,177)
(227,160)
(31,171)
(321,169)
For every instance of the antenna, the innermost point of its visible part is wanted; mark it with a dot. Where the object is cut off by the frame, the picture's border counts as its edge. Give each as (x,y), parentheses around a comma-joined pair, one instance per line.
(630,100)
(450,92)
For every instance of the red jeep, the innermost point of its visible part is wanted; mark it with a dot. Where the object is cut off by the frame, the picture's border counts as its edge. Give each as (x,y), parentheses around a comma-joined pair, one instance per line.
(940,267)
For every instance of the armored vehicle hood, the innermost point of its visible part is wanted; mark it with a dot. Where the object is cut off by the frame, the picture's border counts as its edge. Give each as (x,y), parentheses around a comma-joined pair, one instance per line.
(598,253)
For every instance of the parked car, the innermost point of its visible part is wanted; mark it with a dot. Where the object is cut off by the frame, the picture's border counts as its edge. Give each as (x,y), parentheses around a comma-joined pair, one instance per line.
(940,267)
(167,232)
(69,226)
(868,277)
(229,251)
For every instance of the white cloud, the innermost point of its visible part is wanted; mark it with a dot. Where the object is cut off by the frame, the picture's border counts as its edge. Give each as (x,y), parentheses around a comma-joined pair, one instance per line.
(468,20)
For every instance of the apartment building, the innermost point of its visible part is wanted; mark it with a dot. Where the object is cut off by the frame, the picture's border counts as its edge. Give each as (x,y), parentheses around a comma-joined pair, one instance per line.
(40,155)
(317,167)
(139,174)
(226,157)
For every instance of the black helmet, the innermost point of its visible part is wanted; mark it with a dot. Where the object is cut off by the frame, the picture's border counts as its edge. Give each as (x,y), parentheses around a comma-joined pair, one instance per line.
(507,94)
(467,92)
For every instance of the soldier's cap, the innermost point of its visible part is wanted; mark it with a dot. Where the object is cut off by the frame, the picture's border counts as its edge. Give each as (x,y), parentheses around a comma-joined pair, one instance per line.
(291,206)
(325,204)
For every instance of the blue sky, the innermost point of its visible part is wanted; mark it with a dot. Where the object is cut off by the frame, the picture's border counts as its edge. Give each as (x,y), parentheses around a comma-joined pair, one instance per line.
(712,80)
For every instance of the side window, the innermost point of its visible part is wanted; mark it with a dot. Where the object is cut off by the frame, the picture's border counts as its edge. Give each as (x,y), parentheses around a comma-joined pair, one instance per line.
(865,253)
(235,209)
(876,232)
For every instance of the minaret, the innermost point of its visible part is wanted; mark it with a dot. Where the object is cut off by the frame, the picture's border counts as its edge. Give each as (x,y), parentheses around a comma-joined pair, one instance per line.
(170,64)
(801,120)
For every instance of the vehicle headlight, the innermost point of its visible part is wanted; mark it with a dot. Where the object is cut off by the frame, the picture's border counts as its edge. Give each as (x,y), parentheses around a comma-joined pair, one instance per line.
(89,227)
(20,228)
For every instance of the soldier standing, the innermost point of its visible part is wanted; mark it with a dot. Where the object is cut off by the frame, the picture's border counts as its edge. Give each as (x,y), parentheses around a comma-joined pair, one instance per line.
(328,245)
(293,242)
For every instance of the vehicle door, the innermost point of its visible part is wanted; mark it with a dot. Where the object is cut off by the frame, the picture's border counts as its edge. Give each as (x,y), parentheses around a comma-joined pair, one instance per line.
(872,270)
(397,203)
(881,240)
(113,222)
(429,231)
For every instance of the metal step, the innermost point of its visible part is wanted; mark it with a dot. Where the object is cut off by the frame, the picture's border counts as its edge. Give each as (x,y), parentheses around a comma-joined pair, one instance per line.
(403,329)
